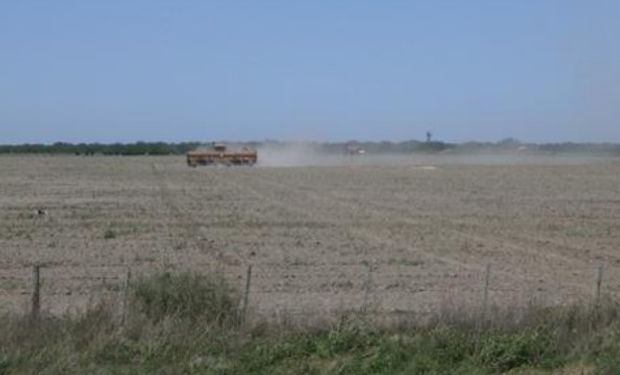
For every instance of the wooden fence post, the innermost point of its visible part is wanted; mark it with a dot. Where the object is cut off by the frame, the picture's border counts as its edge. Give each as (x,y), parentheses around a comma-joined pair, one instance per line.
(126,296)
(485,304)
(246,296)
(485,300)
(599,282)
(36,291)
(367,285)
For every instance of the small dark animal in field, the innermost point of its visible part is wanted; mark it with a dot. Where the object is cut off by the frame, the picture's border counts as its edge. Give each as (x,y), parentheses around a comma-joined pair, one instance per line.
(41,212)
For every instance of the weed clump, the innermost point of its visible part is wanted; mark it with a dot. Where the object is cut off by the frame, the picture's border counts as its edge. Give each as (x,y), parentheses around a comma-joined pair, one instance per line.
(186,296)
(110,234)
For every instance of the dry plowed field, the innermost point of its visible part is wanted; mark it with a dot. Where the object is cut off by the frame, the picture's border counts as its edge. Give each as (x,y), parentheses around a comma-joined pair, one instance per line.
(312,232)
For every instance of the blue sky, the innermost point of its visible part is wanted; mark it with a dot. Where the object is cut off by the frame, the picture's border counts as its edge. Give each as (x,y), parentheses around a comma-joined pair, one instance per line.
(108,71)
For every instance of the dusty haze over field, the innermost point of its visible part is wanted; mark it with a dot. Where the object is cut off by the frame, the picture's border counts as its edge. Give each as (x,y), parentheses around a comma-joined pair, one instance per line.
(305,154)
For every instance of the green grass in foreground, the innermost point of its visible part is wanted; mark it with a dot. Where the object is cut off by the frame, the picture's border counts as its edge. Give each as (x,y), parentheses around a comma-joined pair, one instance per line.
(188,324)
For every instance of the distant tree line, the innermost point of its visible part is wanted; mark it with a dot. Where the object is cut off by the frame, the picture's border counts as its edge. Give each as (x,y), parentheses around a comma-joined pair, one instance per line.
(509,145)
(138,148)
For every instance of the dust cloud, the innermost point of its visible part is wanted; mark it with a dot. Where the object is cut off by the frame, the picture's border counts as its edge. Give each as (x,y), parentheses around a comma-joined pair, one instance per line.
(308,154)
(295,155)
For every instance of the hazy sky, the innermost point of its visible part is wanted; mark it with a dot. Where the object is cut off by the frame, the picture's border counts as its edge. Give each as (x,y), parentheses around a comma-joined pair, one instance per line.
(323,70)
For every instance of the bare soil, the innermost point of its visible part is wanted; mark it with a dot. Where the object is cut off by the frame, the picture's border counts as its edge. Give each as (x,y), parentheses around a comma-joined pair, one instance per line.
(426,227)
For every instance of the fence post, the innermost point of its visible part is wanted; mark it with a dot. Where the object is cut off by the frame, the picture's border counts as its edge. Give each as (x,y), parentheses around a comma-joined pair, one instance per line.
(126,296)
(246,296)
(36,291)
(485,304)
(599,281)
(367,283)
(485,300)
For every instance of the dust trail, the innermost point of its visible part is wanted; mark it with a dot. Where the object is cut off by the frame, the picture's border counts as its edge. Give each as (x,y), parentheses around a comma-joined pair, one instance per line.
(295,155)
(308,154)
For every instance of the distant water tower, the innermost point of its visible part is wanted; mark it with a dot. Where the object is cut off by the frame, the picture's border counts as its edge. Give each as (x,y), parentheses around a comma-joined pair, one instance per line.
(429,136)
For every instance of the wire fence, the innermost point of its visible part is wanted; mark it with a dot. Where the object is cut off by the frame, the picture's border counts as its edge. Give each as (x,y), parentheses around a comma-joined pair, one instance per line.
(55,289)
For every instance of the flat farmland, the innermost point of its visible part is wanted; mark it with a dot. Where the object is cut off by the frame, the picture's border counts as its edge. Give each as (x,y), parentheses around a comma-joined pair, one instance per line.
(426,226)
